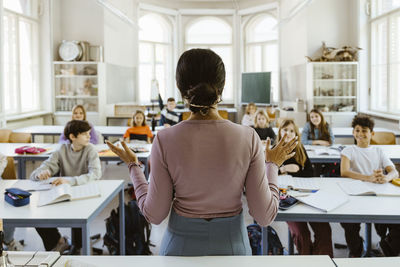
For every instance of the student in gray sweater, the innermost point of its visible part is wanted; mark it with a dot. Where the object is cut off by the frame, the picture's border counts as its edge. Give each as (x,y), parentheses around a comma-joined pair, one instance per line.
(76,163)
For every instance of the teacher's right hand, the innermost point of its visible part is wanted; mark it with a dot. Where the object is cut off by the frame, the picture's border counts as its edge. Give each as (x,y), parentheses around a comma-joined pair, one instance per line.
(281,152)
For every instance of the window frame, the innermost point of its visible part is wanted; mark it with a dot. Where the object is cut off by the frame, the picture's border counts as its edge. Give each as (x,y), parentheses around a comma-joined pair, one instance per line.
(168,66)
(220,18)
(34,45)
(251,21)
(390,109)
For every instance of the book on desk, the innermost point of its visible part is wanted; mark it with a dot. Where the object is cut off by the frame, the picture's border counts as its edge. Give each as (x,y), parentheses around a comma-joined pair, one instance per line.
(361,188)
(66,192)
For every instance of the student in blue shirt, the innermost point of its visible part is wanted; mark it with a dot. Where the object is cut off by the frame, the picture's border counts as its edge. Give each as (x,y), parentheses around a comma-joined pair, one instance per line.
(168,116)
(317,131)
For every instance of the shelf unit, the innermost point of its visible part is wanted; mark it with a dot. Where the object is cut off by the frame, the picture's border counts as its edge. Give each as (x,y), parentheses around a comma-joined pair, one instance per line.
(78,83)
(332,87)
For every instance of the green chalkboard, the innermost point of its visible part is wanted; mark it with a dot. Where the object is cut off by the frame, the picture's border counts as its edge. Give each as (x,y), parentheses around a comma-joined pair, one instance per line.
(256,87)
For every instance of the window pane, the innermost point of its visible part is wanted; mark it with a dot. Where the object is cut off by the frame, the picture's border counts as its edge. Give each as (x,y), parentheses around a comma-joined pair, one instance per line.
(160,76)
(209,31)
(379,48)
(395,63)
(10,84)
(379,7)
(25,7)
(28,67)
(145,77)
(145,52)
(153,28)
(262,29)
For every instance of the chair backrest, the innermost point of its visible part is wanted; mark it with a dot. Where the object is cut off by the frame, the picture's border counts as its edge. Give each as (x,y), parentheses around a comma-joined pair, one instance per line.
(4,135)
(185,115)
(223,114)
(9,171)
(20,138)
(271,113)
(383,138)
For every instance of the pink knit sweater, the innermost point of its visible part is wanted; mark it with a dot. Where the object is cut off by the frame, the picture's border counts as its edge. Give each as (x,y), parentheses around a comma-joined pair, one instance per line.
(207,164)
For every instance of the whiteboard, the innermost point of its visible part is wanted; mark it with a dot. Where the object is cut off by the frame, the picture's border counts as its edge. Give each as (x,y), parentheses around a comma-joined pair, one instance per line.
(120,83)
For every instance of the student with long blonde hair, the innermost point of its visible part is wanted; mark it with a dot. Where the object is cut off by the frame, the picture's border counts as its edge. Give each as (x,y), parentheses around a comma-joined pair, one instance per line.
(79,113)
(300,166)
(249,117)
(262,127)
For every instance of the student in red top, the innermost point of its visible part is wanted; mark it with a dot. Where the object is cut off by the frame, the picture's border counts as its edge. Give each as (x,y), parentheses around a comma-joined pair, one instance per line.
(139,129)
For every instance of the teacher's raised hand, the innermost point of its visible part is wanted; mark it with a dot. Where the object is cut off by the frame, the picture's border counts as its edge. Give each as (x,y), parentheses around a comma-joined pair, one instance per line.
(124,153)
(281,152)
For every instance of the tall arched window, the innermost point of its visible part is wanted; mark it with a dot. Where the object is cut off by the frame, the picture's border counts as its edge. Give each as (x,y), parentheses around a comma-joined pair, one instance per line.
(155,50)
(261,49)
(215,34)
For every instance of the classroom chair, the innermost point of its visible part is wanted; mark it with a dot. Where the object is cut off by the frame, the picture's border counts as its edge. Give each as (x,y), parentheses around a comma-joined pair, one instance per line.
(20,138)
(9,172)
(383,138)
(5,135)
(271,114)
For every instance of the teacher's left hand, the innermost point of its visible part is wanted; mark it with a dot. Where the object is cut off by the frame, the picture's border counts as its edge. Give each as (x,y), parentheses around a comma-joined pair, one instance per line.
(124,153)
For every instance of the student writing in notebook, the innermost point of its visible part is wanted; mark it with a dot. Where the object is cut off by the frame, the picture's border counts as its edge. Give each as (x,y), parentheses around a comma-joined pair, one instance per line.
(139,130)
(262,127)
(79,113)
(249,117)
(368,163)
(75,163)
(9,241)
(317,131)
(300,166)
(202,165)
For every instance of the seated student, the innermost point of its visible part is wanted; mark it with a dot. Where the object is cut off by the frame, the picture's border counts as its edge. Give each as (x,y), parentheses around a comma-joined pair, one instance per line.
(300,166)
(168,116)
(317,131)
(79,113)
(368,163)
(250,116)
(9,241)
(261,125)
(139,130)
(76,163)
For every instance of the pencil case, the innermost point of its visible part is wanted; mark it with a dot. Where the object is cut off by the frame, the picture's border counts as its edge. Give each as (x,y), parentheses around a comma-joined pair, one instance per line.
(17,197)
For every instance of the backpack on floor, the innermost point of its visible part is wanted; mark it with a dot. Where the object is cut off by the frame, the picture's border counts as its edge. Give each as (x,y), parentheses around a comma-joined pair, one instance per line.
(255,235)
(137,232)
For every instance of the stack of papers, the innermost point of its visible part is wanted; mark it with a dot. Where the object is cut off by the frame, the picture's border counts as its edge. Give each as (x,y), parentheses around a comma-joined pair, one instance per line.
(324,200)
(299,184)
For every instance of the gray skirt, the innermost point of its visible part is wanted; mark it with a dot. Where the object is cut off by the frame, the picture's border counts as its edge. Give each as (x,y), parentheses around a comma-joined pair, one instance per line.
(199,237)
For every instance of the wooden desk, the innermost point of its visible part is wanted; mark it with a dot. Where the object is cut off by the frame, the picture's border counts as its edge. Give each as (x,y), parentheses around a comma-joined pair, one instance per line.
(8,150)
(367,262)
(359,209)
(209,261)
(74,214)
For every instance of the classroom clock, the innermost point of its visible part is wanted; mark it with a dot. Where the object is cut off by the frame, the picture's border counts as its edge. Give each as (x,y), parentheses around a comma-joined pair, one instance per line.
(70,50)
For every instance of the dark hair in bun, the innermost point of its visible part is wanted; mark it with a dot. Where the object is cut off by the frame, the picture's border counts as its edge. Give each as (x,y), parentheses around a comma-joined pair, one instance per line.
(200,77)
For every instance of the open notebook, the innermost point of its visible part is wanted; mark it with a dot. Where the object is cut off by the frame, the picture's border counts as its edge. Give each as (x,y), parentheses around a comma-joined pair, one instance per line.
(324,200)
(67,192)
(299,184)
(29,185)
(360,188)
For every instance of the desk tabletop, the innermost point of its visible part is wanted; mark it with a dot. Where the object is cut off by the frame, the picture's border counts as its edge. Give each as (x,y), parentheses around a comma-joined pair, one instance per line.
(69,210)
(209,261)
(8,149)
(367,262)
(357,209)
